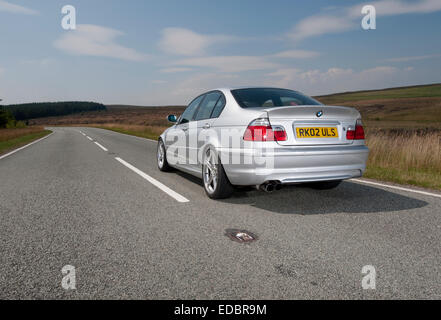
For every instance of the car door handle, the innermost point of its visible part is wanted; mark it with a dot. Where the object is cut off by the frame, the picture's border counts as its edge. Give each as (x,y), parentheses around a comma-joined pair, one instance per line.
(206,126)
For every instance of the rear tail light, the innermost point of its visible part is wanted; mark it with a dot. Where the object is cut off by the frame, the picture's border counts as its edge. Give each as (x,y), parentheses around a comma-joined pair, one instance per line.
(357,133)
(261,130)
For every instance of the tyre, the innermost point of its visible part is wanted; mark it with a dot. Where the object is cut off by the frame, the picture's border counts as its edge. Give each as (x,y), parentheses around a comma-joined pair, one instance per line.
(162,157)
(325,185)
(216,183)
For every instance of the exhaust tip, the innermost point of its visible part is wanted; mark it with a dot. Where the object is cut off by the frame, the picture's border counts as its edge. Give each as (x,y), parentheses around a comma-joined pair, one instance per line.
(270,186)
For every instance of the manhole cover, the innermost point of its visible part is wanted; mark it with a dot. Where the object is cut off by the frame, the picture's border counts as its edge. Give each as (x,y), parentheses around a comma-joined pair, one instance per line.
(241,236)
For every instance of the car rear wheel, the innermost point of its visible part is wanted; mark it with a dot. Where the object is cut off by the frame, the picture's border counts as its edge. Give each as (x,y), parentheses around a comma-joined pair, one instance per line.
(216,183)
(162,157)
(325,185)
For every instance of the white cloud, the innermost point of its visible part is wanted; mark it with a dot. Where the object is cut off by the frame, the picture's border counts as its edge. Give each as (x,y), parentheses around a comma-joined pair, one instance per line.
(175,70)
(180,41)
(335,79)
(196,84)
(414,58)
(15,8)
(181,91)
(397,7)
(93,40)
(321,24)
(349,18)
(296,54)
(229,63)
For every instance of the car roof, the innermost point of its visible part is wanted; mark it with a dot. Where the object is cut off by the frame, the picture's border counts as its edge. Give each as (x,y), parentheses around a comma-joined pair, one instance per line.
(246,87)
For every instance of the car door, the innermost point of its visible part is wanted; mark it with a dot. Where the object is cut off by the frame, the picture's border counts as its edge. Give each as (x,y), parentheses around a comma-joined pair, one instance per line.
(203,122)
(177,136)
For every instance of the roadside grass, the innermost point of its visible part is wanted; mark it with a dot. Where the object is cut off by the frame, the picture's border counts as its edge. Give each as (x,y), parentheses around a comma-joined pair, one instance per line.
(11,139)
(149,132)
(406,157)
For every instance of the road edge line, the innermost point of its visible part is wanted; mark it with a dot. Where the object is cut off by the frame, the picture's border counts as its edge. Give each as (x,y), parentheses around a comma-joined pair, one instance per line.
(397,188)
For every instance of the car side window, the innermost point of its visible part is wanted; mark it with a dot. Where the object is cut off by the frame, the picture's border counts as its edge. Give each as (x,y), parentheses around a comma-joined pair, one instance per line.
(220,105)
(207,106)
(188,114)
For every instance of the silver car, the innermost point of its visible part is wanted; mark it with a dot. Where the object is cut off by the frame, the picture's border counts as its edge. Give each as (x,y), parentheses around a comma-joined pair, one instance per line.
(263,137)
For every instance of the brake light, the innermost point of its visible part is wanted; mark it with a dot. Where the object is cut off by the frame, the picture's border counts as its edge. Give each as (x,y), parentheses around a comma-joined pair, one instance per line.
(357,134)
(261,130)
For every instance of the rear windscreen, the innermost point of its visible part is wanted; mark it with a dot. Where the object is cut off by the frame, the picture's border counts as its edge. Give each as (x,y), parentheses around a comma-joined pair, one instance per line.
(269,97)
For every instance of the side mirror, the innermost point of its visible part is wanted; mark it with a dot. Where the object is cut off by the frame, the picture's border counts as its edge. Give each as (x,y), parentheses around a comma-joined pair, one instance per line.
(172,118)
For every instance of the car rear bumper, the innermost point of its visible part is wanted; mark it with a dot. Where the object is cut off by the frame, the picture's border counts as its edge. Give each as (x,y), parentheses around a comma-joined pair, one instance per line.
(294,164)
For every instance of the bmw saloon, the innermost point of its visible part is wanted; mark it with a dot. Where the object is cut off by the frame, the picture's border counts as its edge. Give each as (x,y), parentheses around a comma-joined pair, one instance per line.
(263,137)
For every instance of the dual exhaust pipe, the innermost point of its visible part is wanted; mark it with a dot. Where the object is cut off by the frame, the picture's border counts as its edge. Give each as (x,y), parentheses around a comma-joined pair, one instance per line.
(270,186)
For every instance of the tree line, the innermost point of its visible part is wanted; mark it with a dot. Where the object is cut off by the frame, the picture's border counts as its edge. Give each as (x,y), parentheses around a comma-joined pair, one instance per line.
(50,109)
(6,117)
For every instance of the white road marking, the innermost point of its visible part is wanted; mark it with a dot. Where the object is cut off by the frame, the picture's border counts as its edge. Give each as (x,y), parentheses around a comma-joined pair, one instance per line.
(89,138)
(398,188)
(155,182)
(101,146)
(16,150)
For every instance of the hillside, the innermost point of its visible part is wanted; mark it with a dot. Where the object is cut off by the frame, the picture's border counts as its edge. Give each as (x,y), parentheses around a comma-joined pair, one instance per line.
(414,107)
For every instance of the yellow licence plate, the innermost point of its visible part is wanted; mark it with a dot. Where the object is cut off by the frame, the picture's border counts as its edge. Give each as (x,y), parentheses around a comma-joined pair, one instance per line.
(317,132)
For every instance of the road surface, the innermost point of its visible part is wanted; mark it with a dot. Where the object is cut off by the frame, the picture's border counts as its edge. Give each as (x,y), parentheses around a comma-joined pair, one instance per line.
(144,234)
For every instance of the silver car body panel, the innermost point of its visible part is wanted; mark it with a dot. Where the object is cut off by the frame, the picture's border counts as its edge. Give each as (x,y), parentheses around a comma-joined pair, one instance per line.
(294,160)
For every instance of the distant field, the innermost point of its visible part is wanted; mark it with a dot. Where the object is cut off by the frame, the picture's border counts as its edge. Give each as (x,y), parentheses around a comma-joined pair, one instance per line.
(129,115)
(423,91)
(403,128)
(408,107)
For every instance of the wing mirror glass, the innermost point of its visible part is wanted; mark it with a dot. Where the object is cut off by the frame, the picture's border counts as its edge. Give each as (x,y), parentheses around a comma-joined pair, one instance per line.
(172,118)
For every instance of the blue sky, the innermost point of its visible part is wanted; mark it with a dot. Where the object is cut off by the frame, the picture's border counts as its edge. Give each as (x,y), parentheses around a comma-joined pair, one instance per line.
(166,52)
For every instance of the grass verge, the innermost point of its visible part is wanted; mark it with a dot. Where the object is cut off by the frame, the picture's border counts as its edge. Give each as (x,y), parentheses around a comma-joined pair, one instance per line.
(149,132)
(405,157)
(11,139)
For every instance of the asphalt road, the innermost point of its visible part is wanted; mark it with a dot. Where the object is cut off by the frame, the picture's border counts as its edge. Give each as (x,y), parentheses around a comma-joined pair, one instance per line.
(66,201)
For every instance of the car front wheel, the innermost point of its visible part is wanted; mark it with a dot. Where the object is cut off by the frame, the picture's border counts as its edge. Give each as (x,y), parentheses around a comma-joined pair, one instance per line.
(162,157)
(216,183)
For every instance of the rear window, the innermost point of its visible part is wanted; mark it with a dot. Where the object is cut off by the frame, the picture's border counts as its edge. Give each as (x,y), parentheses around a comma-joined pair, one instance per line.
(269,98)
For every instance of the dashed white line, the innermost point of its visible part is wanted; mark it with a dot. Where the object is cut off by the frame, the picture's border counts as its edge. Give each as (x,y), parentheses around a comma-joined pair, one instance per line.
(398,188)
(101,146)
(16,150)
(89,138)
(155,182)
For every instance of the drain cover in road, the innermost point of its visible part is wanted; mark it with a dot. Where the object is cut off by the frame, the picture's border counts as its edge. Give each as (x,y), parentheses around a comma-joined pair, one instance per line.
(241,236)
